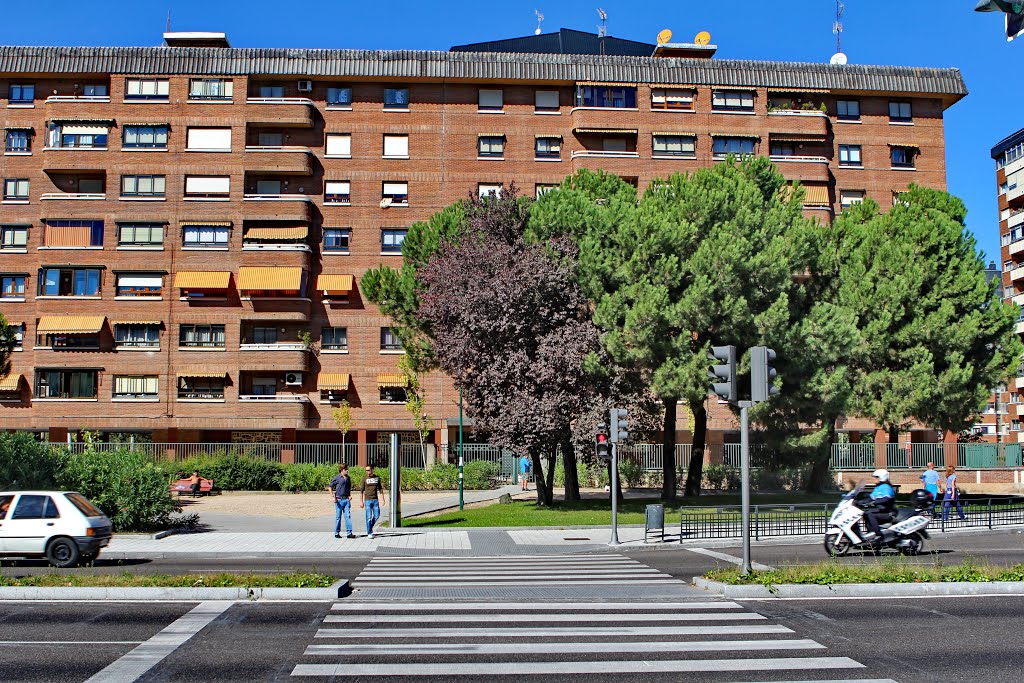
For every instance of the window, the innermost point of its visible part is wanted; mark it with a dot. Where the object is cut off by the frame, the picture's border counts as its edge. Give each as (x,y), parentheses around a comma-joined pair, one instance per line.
(208,140)
(211,89)
(35,507)
(207,187)
(900,112)
(725,146)
(139,285)
(491,100)
(80,384)
(1011,155)
(339,145)
(78,136)
(13,287)
(339,97)
(271,91)
(396,98)
(201,336)
(672,99)
(263,386)
(19,334)
(18,142)
(849,155)
(782,149)
(21,94)
(391,241)
(95,91)
(336,239)
(491,146)
(543,188)
(396,193)
(546,101)
(69,234)
(1003,187)
(848,110)
(205,236)
(334,339)
(337,192)
(69,282)
(201,388)
(143,89)
(492,190)
(268,187)
(848,198)
(136,387)
(675,146)
(143,186)
(389,341)
(392,395)
(902,157)
(396,146)
(137,335)
(14,237)
(145,137)
(64,341)
(608,96)
(732,100)
(262,335)
(548,148)
(16,189)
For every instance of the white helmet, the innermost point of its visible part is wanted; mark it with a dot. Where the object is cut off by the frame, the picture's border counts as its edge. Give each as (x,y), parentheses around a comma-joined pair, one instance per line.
(881,475)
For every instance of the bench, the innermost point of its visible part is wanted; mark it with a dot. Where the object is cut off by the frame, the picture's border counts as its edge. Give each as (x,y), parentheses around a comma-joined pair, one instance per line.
(185,486)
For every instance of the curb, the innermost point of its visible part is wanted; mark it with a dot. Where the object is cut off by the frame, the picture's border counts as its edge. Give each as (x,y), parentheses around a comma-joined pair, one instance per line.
(862,590)
(339,589)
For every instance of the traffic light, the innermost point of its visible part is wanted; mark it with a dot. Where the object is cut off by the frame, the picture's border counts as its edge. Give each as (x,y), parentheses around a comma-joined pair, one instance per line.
(603,449)
(762,374)
(724,370)
(1014,12)
(620,425)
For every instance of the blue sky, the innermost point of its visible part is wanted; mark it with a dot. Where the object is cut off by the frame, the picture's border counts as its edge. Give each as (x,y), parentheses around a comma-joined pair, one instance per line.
(942,34)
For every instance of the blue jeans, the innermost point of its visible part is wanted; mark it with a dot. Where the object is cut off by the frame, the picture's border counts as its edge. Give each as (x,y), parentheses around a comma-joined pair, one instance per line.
(946,502)
(372,514)
(342,507)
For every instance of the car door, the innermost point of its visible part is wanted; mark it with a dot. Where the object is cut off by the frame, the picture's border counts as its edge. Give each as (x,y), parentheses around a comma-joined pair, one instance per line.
(27,526)
(6,502)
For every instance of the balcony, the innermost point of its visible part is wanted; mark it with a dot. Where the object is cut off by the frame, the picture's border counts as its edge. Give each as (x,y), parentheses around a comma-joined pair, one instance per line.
(1019,300)
(67,106)
(275,357)
(802,168)
(74,196)
(1017,274)
(1019,383)
(278,207)
(811,122)
(1019,330)
(279,160)
(264,414)
(1016,218)
(1014,194)
(282,112)
(278,309)
(1016,247)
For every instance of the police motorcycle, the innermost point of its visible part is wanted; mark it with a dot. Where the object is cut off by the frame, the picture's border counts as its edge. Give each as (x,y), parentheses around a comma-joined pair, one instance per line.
(906,530)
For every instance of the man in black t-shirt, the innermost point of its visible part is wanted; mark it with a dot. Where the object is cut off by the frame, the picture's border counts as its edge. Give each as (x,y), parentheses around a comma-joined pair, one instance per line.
(341,487)
(372,497)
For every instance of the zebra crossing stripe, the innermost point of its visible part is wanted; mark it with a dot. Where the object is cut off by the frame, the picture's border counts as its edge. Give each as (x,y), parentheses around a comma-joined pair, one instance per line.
(376,607)
(562,648)
(498,617)
(449,583)
(653,631)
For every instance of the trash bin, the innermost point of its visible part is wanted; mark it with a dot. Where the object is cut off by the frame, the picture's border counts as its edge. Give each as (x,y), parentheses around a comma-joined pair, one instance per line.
(654,522)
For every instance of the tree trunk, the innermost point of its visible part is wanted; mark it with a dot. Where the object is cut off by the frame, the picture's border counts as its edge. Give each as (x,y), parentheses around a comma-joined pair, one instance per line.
(695,471)
(820,479)
(572,478)
(543,492)
(549,475)
(668,451)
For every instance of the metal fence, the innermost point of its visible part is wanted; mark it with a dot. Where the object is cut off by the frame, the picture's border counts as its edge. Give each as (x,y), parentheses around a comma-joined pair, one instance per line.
(861,456)
(505,458)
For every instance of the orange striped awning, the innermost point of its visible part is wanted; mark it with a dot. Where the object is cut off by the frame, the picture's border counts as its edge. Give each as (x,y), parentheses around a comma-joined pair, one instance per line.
(70,324)
(331,284)
(272,278)
(332,381)
(212,224)
(73,236)
(199,372)
(599,131)
(297,232)
(138,322)
(12,382)
(201,279)
(814,195)
(391,379)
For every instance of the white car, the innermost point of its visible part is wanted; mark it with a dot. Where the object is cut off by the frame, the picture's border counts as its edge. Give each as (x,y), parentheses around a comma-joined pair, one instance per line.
(62,526)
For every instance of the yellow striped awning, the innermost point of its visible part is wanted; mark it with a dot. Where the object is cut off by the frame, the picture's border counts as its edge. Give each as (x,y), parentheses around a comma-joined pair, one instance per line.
(70,324)
(557,136)
(620,131)
(11,382)
(199,373)
(202,279)
(909,145)
(675,132)
(798,137)
(269,278)
(212,224)
(332,381)
(816,195)
(292,232)
(631,85)
(387,380)
(143,123)
(736,135)
(334,283)
(138,322)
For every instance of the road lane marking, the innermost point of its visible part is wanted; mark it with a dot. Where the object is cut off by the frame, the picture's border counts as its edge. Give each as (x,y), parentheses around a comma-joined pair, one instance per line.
(654,631)
(373,607)
(148,654)
(71,642)
(498,617)
(562,648)
(729,558)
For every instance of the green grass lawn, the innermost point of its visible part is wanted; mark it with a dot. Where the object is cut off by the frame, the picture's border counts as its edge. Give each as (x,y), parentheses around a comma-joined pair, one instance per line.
(594,511)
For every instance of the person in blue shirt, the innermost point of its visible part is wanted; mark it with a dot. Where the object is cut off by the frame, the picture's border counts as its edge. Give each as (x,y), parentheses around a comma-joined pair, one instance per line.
(883,499)
(930,478)
(524,472)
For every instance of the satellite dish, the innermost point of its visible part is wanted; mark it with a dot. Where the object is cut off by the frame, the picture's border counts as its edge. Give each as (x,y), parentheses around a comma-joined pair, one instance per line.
(665,36)
(702,38)
(838,58)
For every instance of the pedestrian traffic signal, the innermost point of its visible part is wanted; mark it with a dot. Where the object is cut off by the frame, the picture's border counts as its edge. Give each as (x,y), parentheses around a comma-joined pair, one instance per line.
(602,447)
(762,374)
(724,370)
(620,425)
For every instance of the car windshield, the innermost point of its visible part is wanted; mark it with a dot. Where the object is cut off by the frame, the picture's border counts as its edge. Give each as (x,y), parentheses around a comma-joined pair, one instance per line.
(80,502)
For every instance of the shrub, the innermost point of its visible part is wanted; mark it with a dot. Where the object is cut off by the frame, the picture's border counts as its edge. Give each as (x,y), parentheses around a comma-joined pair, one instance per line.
(25,463)
(714,477)
(232,472)
(479,474)
(307,477)
(631,473)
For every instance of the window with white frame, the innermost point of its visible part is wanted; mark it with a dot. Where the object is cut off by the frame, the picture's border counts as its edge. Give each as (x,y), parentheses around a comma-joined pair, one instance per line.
(207,187)
(205,236)
(339,96)
(143,186)
(95,90)
(396,98)
(671,98)
(66,135)
(389,341)
(901,112)
(13,237)
(337,192)
(339,145)
(902,157)
(396,146)
(139,284)
(684,146)
(208,140)
(391,240)
(140,235)
(489,190)
(211,89)
(848,110)
(334,339)
(336,240)
(733,145)
(397,193)
(13,286)
(491,100)
(18,141)
(137,335)
(201,388)
(849,155)
(147,89)
(136,387)
(732,100)
(546,101)
(16,189)
(548,147)
(201,336)
(848,198)
(144,136)
(542,189)
(491,146)
(606,96)
(21,93)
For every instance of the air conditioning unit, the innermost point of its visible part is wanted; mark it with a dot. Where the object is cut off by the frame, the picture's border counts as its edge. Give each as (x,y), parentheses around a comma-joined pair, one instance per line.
(385,203)
(293,379)
(305,86)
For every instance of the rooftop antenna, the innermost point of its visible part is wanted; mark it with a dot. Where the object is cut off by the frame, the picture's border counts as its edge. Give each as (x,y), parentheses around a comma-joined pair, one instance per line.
(602,30)
(540,18)
(839,58)
(168,30)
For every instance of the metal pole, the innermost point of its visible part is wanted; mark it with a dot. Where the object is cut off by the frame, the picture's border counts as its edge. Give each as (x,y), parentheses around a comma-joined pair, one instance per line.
(395,470)
(745,481)
(461,490)
(615,497)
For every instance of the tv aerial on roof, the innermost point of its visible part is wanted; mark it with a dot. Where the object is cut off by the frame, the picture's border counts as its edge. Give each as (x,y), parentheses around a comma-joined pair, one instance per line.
(540,18)
(602,30)
(839,58)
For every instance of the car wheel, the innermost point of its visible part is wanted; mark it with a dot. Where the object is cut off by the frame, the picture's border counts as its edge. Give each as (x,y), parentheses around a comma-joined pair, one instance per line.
(62,552)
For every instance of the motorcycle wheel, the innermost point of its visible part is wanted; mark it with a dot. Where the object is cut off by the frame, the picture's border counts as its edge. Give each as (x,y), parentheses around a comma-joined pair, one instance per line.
(915,545)
(837,545)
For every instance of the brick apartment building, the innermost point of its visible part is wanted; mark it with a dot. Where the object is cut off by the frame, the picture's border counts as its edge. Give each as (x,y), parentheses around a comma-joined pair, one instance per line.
(184,227)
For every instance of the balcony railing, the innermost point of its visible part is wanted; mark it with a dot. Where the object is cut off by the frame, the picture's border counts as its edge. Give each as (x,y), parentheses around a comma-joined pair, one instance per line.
(87,196)
(278,346)
(277,148)
(277,197)
(777,158)
(274,398)
(606,154)
(279,100)
(797,112)
(78,98)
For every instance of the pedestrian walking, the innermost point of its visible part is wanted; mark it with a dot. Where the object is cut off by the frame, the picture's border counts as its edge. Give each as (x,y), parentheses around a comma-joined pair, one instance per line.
(951,494)
(931,484)
(341,488)
(524,471)
(370,497)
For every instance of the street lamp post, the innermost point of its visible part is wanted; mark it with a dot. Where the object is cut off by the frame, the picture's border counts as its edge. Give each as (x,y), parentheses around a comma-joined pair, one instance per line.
(461,498)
